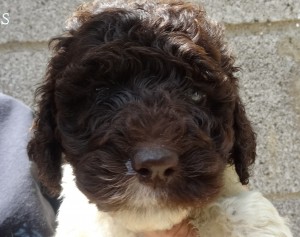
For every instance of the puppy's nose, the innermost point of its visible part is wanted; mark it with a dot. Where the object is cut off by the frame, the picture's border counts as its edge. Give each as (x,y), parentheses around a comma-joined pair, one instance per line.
(152,163)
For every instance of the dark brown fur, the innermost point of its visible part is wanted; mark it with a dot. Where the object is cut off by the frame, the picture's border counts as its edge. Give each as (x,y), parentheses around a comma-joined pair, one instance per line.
(124,79)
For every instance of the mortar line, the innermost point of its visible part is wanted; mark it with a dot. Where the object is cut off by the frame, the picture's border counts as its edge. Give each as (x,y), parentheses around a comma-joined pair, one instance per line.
(14,46)
(283,196)
(254,27)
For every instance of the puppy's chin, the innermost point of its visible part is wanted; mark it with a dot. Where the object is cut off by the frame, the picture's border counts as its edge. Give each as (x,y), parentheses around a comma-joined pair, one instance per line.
(143,211)
(149,219)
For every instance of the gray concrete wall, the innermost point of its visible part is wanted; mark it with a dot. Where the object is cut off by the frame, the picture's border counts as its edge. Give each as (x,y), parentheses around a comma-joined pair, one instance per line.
(265,36)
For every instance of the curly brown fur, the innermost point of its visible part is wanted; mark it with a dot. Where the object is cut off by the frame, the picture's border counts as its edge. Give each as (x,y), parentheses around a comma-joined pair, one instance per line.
(132,75)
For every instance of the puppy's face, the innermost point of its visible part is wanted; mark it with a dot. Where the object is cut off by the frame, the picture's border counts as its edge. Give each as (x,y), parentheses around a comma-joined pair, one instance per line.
(144,107)
(148,139)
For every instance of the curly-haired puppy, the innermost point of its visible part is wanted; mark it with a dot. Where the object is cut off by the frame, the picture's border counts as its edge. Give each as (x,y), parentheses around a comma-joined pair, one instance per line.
(141,101)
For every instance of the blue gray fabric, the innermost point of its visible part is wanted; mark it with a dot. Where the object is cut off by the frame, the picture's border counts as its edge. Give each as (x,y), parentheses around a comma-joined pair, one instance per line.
(24,210)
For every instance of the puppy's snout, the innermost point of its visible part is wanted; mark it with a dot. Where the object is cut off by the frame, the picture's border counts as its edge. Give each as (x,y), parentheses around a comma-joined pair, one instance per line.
(155,164)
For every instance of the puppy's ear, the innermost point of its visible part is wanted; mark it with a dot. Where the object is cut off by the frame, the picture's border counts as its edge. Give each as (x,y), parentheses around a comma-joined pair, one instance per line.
(244,148)
(44,148)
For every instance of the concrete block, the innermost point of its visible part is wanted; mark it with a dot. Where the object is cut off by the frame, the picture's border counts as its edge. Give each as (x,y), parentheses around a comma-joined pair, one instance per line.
(290,209)
(21,69)
(268,56)
(235,12)
(34,20)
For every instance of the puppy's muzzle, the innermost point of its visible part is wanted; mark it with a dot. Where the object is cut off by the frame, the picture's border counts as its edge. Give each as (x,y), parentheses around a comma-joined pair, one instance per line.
(155,165)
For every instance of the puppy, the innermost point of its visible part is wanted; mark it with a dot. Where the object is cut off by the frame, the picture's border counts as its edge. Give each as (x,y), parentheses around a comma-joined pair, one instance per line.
(141,105)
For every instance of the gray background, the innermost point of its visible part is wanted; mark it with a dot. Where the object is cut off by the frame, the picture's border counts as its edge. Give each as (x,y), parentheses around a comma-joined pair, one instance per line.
(265,36)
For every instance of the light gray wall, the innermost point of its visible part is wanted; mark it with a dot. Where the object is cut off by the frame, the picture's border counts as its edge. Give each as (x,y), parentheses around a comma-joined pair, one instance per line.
(265,36)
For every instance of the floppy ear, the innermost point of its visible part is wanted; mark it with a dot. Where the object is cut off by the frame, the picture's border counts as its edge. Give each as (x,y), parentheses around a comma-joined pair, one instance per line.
(244,148)
(44,148)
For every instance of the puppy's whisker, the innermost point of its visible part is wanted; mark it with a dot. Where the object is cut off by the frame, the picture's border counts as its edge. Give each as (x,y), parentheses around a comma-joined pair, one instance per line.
(130,170)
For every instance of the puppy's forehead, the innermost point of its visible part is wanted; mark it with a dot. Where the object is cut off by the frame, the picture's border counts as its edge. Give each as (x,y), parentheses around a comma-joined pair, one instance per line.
(151,33)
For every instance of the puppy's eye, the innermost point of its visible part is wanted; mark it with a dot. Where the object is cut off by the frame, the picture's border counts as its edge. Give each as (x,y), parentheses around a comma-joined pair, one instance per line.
(101,89)
(195,95)
(102,94)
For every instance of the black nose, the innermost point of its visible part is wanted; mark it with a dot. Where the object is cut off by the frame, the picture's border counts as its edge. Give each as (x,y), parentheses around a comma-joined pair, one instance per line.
(155,163)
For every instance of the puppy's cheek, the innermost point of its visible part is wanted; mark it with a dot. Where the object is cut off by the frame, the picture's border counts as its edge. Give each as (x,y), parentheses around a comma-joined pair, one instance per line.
(203,176)
(100,193)
(101,179)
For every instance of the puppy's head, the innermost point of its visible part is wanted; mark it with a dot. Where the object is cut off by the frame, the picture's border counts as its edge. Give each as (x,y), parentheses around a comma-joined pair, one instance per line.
(142,101)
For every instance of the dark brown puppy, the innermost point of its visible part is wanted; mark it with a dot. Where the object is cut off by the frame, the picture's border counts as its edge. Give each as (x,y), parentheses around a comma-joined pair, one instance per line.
(144,93)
